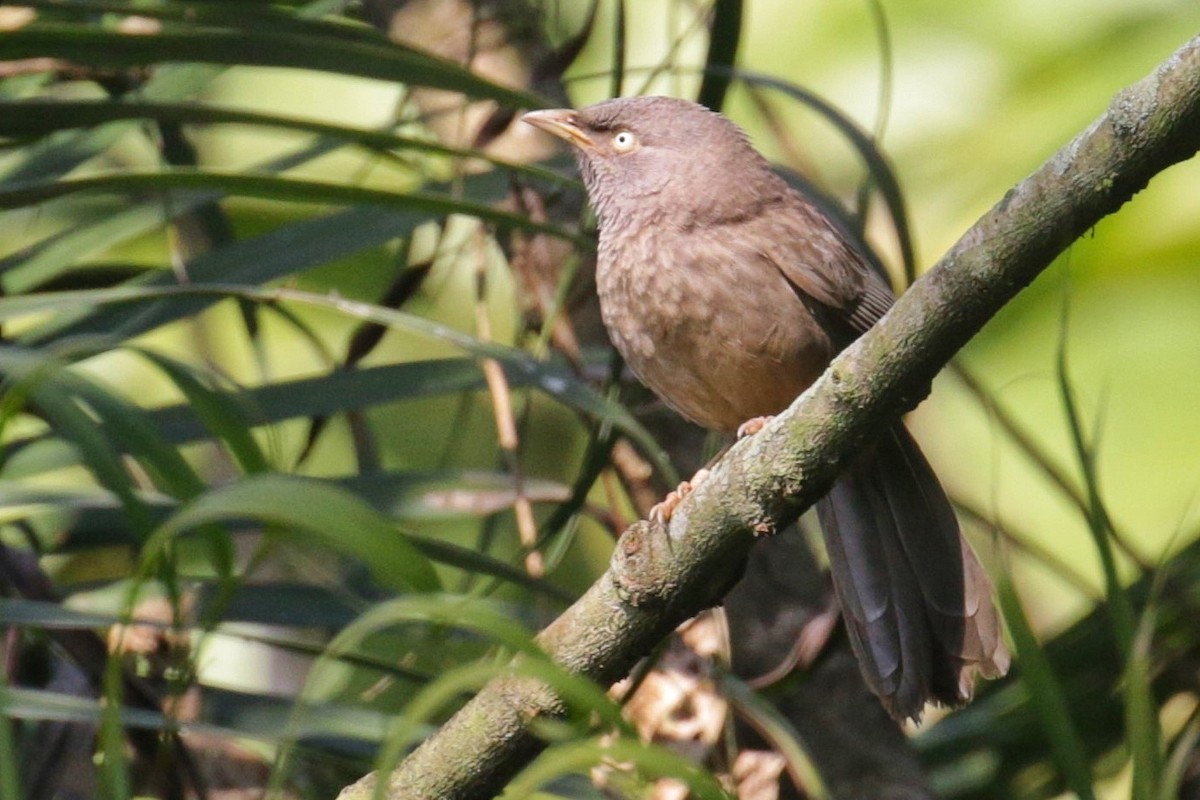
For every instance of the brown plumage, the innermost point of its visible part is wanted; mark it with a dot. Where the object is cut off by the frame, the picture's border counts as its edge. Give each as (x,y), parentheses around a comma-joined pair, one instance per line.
(728,293)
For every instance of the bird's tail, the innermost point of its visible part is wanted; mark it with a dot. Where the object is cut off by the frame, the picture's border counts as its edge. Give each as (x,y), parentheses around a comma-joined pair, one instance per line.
(916,601)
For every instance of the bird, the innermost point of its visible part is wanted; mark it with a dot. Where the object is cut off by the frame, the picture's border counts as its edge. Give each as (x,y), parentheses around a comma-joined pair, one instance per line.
(728,293)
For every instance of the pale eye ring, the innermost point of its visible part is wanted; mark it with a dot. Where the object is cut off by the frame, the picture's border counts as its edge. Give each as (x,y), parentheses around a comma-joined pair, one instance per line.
(624,141)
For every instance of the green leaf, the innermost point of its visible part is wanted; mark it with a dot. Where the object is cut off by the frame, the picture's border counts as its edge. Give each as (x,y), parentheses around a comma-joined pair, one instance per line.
(325,513)
(326,720)
(375,57)
(1141,711)
(58,152)
(52,616)
(477,563)
(279,17)
(273,187)
(91,233)
(217,411)
(93,518)
(47,116)
(10,774)
(59,387)
(485,617)
(70,519)
(55,397)
(652,761)
(520,368)
(293,248)
(1046,696)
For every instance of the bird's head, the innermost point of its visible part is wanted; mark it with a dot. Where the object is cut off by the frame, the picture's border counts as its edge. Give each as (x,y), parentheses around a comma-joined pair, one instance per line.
(662,157)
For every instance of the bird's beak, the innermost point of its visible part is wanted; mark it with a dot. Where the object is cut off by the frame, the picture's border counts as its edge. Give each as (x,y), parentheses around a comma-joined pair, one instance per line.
(563,123)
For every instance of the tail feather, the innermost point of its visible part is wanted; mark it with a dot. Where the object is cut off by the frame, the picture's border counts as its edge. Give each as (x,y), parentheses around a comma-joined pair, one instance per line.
(916,601)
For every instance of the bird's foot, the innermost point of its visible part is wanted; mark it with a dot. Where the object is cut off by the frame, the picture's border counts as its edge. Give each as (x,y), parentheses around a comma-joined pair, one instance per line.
(752,426)
(661,513)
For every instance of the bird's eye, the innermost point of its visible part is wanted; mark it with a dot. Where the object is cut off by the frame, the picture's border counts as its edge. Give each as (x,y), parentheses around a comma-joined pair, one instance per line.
(624,141)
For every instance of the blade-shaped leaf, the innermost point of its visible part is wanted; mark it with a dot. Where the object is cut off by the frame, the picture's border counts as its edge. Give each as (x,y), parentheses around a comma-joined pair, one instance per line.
(380,59)
(319,510)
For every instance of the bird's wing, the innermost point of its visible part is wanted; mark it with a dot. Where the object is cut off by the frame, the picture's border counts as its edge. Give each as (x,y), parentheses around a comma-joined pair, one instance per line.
(818,261)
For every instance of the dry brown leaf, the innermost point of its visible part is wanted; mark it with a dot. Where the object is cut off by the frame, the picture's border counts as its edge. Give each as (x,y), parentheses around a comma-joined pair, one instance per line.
(14,17)
(756,774)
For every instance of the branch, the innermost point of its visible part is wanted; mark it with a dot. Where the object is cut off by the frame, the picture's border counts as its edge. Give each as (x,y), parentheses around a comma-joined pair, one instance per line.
(659,578)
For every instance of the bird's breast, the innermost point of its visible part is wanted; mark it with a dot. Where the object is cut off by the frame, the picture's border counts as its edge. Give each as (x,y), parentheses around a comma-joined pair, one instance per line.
(707,323)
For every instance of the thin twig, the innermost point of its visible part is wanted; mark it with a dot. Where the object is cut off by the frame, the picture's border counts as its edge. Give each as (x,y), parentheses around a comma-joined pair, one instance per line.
(502,410)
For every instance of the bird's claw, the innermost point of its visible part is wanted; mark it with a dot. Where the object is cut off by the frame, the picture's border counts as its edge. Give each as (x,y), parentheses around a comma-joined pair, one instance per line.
(662,511)
(752,426)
